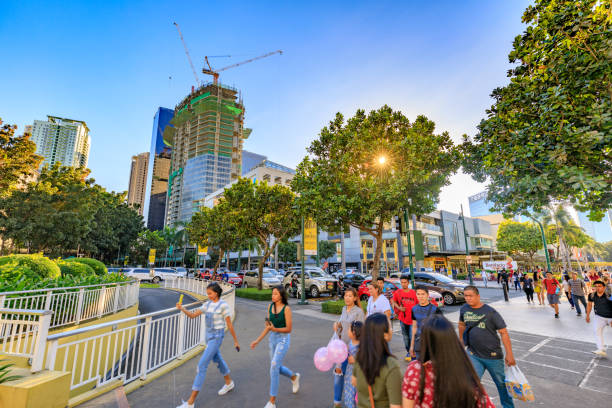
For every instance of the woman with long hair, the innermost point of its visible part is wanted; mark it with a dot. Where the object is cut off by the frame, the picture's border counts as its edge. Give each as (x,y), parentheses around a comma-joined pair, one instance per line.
(217,315)
(538,281)
(443,376)
(376,373)
(351,312)
(279,324)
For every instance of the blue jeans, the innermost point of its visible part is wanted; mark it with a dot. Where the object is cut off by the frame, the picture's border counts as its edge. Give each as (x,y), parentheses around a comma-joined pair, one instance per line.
(577,300)
(279,345)
(214,339)
(406,334)
(495,367)
(339,382)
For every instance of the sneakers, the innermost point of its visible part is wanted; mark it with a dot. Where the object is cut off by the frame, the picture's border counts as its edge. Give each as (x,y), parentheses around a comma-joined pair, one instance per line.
(579,314)
(185,405)
(601,353)
(226,388)
(296,386)
(270,405)
(556,315)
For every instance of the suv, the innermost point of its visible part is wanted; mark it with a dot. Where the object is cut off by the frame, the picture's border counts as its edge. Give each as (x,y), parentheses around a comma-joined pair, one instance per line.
(316,281)
(269,279)
(450,289)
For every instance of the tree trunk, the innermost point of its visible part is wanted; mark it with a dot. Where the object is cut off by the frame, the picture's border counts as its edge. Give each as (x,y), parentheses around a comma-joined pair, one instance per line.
(342,254)
(377,250)
(221,253)
(260,268)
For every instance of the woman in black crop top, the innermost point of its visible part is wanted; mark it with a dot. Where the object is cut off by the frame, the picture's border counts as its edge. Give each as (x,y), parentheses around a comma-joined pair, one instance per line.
(278,322)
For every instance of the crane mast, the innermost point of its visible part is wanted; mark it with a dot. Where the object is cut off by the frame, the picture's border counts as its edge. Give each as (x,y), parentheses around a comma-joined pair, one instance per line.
(188,56)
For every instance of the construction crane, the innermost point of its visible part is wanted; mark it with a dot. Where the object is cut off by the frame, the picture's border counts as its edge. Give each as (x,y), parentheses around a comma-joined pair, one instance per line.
(188,56)
(215,73)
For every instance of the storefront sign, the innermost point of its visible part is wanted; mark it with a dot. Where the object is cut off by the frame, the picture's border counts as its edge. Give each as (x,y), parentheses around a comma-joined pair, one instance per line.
(495,265)
(310,237)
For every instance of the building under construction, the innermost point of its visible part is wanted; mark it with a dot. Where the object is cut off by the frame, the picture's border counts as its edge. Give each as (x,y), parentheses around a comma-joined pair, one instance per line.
(206,145)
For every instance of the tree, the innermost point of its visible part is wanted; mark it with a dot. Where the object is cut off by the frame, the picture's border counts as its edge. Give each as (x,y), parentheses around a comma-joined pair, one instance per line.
(17,158)
(548,136)
(519,238)
(263,212)
(363,171)
(287,251)
(147,240)
(563,232)
(216,228)
(325,250)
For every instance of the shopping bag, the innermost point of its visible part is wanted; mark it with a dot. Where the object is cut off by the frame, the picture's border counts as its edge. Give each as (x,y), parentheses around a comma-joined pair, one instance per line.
(517,384)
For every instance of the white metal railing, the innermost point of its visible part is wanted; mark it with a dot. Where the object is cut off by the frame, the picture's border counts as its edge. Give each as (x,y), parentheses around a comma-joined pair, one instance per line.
(129,349)
(72,305)
(23,334)
(199,286)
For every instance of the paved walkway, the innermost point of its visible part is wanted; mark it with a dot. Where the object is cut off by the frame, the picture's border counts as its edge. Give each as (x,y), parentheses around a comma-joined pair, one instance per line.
(563,373)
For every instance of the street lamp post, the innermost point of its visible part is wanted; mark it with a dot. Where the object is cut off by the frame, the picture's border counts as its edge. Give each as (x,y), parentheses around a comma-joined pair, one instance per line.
(303,301)
(545,244)
(409,248)
(467,249)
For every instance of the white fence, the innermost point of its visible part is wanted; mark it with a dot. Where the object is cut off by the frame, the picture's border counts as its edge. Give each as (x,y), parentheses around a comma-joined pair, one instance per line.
(23,334)
(130,348)
(73,305)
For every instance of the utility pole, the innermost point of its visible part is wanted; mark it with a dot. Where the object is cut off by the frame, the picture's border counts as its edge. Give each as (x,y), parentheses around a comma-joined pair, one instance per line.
(303,301)
(467,249)
(342,254)
(409,248)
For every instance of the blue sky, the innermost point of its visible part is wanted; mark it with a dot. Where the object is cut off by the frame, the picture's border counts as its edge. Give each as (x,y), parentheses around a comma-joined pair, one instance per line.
(110,63)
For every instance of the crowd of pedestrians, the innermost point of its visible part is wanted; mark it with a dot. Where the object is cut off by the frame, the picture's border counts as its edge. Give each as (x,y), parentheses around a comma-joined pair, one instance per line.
(444,368)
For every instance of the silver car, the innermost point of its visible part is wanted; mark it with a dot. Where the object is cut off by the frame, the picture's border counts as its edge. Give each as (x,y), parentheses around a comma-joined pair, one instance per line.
(269,280)
(316,281)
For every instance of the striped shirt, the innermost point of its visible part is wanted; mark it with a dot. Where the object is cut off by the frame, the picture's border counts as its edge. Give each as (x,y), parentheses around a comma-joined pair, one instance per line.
(219,310)
(577,286)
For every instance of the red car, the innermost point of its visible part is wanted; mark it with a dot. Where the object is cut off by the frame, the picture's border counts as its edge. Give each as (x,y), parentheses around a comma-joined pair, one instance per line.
(234,278)
(391,285)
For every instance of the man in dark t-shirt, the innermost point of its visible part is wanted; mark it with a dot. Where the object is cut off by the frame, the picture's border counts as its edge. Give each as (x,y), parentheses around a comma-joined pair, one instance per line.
(479,325)
(599,301)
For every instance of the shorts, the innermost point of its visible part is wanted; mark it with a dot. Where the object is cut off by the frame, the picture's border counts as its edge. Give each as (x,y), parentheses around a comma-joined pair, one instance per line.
(552,299)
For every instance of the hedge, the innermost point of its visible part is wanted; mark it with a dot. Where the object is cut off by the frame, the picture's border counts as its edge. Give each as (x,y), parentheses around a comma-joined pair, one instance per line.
(98,267)
(30,265)
(254,293)
(335,306)
(70,268)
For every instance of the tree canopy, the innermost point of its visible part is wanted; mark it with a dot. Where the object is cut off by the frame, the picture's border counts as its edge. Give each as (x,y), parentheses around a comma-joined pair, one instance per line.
(548,136)
(17,158)
(363,171)
(519,238)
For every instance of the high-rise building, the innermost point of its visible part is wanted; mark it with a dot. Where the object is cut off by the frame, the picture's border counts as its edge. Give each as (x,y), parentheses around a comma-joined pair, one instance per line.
(138,181)
(601,231)
(206,148)
(61,140)
(159,171)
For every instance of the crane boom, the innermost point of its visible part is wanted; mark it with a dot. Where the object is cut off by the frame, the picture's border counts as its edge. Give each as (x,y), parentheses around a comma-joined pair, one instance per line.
(249,60)
(188,56)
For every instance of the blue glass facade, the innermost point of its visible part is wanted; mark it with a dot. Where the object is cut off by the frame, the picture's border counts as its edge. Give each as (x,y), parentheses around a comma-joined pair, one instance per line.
(198,181)
(250,160)
(600,231)
(479,206)
(157,179)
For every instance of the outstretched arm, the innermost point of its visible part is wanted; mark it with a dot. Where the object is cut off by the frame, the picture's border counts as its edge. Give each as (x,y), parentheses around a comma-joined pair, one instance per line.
(191,315)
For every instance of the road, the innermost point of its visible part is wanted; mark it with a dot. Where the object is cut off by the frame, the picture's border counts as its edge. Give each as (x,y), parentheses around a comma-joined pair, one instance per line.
(562,373)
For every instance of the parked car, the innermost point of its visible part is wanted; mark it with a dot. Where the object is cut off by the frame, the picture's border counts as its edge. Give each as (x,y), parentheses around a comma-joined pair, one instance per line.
(181,271)
(316,282)
(144,274)
(450,289)
(354,279)
(234,279)
(113,270)
(269,280)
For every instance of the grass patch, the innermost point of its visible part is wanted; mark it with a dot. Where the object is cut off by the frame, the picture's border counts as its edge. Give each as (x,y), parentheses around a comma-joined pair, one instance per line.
(335,306)
(149,285)
(254,293)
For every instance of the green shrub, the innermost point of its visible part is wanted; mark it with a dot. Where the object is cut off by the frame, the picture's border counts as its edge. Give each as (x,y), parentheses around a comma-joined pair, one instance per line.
(39,265)
(98,267)
(66,281)
(70,268)
(254,293)
(332,306)
(462,276)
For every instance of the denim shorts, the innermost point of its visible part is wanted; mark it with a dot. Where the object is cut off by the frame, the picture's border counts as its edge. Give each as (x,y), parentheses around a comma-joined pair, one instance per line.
(552,299)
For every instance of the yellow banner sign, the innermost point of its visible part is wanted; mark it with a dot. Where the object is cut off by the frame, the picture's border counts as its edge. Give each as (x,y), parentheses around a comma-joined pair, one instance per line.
(152,252)
(310,237)
(202,250)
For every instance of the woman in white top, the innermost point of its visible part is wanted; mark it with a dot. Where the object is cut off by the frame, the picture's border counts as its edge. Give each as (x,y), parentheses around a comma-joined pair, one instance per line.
(217,315)
(377,303)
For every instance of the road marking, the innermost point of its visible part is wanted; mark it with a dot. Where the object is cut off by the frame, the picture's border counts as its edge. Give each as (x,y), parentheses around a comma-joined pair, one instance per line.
(592,366)
(548,366)
(539,345)
(572,350)
(562,358)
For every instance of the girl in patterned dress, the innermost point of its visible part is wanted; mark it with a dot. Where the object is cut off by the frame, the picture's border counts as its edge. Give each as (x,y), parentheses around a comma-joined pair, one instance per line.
(349,391)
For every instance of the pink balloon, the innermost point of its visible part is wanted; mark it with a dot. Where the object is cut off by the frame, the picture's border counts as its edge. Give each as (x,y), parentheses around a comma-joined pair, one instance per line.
(321,360)
(337,351)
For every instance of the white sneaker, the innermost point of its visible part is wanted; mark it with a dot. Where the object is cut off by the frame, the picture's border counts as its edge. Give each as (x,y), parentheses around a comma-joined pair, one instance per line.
(270,405)
(226,388)
(185,405)
(296,383)
(600,353)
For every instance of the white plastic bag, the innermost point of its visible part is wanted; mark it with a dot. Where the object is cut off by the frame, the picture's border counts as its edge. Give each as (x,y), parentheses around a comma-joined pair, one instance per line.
(517,384)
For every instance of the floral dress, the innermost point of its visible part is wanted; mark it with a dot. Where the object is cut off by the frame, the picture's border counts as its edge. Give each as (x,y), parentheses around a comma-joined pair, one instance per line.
(349,390)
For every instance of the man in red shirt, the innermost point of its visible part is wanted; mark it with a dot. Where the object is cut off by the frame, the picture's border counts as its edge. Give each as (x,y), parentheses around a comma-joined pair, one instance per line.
(553,288)
(402,302)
